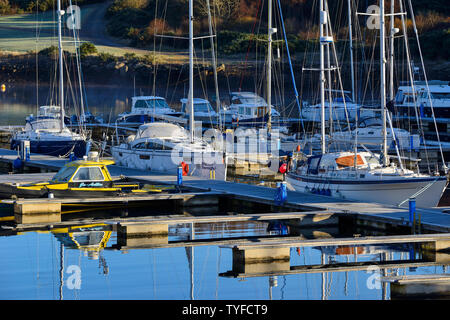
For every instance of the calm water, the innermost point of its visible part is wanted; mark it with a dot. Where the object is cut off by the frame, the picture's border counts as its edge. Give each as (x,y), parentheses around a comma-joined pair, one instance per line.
(19,101)
(43,265)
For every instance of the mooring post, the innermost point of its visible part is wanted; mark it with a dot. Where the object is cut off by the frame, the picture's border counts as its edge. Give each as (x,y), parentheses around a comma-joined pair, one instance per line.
(27,150)
(24,150)
(179,176)
(412,211)
(281,194)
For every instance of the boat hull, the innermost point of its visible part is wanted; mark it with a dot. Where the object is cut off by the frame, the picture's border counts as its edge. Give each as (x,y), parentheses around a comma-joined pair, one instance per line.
(162,162)
(55,148)
(391,192)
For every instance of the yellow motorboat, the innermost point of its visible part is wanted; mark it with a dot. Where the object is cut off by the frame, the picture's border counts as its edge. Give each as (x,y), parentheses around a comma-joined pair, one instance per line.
(82,178)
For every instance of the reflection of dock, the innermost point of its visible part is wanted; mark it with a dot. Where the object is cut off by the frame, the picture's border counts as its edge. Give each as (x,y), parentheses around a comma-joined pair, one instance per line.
(419,286)
(271,269)
(258,255)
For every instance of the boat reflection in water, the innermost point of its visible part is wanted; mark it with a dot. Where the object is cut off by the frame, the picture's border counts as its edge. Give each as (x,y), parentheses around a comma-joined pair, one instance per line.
(192,260)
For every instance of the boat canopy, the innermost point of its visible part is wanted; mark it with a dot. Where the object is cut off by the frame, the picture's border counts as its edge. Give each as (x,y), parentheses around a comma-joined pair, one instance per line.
(149,102)
(349,161)
(247,98)
(161,130)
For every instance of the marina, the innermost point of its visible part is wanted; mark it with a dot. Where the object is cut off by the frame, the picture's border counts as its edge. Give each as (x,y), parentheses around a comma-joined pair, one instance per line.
(313,221)
(218,166)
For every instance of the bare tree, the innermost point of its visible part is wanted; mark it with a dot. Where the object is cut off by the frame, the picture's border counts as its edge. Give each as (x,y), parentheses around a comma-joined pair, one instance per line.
(222,9)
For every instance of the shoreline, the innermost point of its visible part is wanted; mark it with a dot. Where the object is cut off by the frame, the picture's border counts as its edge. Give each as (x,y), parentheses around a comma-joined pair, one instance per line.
(27,68)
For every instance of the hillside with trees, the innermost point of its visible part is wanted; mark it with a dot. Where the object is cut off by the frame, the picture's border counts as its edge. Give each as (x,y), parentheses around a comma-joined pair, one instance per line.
(238,21)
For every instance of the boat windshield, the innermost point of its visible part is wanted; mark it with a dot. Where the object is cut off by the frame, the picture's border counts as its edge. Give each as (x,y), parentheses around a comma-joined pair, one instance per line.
(64,174)
(152,104)
(203,107)
(248,99)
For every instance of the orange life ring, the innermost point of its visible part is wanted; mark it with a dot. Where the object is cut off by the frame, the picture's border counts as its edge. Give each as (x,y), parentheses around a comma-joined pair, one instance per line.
(185,168)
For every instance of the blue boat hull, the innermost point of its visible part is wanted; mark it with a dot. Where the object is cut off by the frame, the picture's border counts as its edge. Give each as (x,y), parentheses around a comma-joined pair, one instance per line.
(55,148)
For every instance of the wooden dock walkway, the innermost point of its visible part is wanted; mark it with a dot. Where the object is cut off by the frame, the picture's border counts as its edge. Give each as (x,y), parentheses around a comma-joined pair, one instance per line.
(432,219)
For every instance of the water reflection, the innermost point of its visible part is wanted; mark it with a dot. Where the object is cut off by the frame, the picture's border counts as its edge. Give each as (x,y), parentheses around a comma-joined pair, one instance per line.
(189,264)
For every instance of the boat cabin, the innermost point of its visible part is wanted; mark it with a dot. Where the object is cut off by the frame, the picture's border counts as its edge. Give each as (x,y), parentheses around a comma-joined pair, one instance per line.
(84,173)
(436,92)
(150,103)
(340,161)
(252,111)
(201,106)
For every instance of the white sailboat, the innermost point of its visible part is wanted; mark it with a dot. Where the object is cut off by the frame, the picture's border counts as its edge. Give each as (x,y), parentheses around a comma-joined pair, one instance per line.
(163,147)
(47,133)
(362,176)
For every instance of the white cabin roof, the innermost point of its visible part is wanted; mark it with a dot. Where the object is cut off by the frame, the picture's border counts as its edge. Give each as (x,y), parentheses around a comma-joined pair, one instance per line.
(433,88)
(147,98)
(161,130)
(196,100)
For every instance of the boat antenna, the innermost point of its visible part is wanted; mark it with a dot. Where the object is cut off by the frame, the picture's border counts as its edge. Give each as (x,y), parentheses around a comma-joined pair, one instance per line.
(213,54)
(61,73)
(350,41)
(383,82)
(191,71)
(323,22)
(269,64)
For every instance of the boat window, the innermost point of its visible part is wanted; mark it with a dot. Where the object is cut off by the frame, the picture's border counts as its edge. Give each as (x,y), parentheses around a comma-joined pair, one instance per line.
(372,160)
(203,107)
(64,174)
(140,104)
(248,111)
(151,103)
(91,174)
(440,95)
(341,99)
(157,103)
(141,145)
(313,164)
(241,110)
(157,146)
(399,97)
(409,98)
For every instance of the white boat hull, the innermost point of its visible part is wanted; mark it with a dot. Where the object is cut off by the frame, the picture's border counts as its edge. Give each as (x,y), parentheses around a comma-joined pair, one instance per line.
(387,192)
(160,161)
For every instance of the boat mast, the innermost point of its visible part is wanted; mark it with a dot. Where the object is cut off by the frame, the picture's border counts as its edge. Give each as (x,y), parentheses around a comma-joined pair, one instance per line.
(191,71)
(61,71)
(383,82)
(350,40)
(391,53)
(323,21)
(213,53)
(269,65)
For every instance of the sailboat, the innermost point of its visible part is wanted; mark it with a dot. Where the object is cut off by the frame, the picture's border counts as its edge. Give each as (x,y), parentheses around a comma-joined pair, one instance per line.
(48,133)
(362,176)
(163,147)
